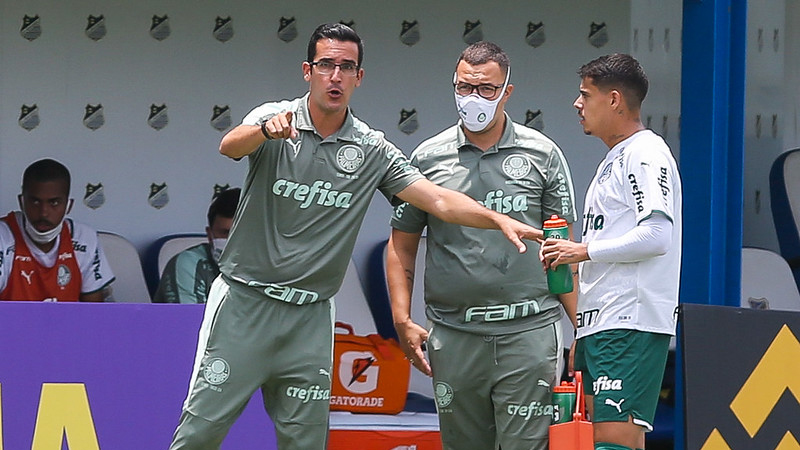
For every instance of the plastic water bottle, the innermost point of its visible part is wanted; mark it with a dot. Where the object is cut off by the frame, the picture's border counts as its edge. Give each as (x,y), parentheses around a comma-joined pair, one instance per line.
(564,397)
(559,281)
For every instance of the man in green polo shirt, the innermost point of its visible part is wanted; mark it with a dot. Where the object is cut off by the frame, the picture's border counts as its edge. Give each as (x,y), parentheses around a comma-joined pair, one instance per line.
(493,336)
(312,170)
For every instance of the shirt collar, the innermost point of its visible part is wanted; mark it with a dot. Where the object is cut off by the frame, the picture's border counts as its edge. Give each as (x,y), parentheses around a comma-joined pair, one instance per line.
(345,133)
(507,139)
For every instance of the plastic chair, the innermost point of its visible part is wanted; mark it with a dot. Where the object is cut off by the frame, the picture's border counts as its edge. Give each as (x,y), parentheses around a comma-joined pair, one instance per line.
(767,281)
(129,285)
(784,184)
(162,250)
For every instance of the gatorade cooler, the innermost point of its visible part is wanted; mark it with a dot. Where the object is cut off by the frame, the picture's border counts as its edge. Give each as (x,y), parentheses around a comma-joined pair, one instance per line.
(577,433)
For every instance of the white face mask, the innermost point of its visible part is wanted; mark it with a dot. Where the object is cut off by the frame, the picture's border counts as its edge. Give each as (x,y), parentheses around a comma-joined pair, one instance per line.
(42,237)
(217,245)
(475,111)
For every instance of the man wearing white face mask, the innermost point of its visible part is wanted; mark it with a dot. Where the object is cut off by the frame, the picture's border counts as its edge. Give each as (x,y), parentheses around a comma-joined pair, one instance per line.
(493,332)
(188,275)
(43,255)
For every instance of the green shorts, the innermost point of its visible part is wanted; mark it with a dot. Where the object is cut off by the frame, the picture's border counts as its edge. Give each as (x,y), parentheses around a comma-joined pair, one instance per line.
(249,342)
(623,370)
(494,389)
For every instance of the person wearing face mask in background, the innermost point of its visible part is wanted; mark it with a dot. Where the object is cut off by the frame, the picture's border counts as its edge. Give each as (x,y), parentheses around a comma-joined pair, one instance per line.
(43,255)
(188,275)
(493,333)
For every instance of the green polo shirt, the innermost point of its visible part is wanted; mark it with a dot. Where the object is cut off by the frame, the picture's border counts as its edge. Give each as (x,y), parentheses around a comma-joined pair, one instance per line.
(475,280)
(303,201)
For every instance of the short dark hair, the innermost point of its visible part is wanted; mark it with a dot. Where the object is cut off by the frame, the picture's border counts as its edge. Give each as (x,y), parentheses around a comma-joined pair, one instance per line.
(337,32)
(482,52)
(45,170)
(224,204)
(618,71)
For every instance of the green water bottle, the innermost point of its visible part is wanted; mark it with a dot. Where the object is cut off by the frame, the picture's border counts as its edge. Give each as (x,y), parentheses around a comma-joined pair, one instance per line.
(559,281)
(564,397)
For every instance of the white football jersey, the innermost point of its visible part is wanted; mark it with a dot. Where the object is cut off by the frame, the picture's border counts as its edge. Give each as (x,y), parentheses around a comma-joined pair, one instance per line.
(638,178)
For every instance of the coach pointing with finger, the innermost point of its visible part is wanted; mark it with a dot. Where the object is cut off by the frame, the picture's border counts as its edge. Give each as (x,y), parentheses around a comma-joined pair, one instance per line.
(312,170)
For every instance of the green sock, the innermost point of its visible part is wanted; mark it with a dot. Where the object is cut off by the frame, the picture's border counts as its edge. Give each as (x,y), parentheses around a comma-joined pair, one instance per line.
(609,446)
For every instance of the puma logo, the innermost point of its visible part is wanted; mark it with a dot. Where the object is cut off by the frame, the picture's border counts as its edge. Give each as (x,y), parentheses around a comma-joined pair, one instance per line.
(324,372)
(295,146)
(27,275)
(615,404)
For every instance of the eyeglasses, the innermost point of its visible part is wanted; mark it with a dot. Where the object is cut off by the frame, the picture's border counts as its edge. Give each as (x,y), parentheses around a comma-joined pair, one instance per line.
(326,67)
(486,91)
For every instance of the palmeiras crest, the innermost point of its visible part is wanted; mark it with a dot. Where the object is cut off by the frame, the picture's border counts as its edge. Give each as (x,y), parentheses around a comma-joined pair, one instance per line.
(93,117)
(287,29)
(598,34)
(221,117)
(159,28)
(409,33)
(29,117)
(63,275)
(95,196)
(534,119)
(158,118)
(408,121)
(31,27)
(349,158)
(473,32)
(96,27)
(535,36)
(223,29)
(159,196)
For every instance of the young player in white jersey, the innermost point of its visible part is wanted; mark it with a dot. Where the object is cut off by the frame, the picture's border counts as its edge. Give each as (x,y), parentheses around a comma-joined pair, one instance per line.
(629,257)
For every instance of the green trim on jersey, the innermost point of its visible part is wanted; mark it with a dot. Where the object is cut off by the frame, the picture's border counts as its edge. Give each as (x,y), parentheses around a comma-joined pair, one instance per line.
(475,280)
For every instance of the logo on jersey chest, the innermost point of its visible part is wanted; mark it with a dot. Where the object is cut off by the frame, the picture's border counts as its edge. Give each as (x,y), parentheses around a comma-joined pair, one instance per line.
(516,166)
(349,158)
(64,275)
(498,201)
(319,193)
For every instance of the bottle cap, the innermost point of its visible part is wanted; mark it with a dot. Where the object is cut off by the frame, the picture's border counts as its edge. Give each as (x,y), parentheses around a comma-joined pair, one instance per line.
(554,222)
(564,388)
